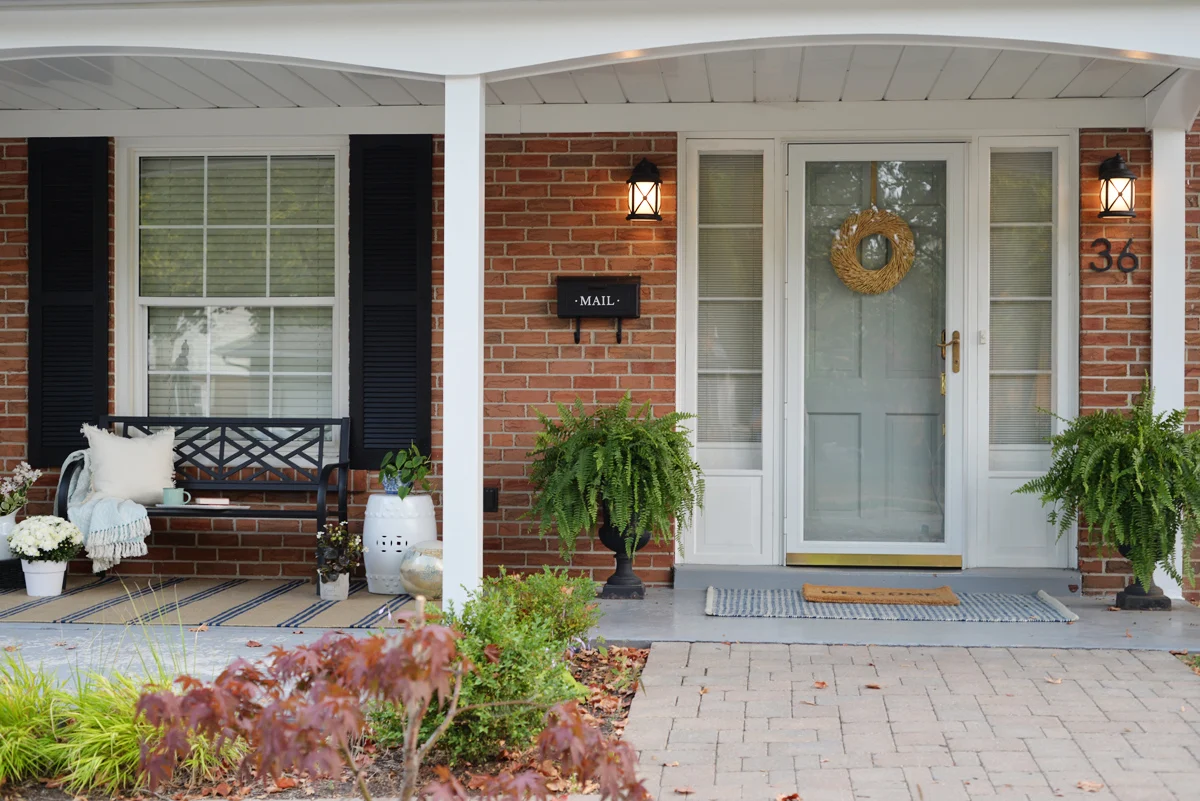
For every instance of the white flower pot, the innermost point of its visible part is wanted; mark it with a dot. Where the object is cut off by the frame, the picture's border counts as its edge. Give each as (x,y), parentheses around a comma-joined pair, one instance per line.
(390,526)
(43,579)
(7,524)
(337,590)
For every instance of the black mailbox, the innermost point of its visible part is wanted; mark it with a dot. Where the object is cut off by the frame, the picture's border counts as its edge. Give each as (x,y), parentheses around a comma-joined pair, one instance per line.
(602,296)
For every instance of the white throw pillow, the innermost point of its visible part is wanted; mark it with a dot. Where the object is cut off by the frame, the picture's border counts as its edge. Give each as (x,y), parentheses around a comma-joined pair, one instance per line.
(136,469)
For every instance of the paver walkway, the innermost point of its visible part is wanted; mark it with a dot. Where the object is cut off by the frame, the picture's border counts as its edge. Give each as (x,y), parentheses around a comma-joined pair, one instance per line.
(746,721)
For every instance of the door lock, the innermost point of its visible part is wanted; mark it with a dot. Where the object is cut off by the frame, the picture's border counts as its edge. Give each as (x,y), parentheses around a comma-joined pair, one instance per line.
(953,344)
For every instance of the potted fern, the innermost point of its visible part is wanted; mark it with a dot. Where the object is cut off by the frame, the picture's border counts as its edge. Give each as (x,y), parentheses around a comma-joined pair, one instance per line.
(1135,481)
(621,472)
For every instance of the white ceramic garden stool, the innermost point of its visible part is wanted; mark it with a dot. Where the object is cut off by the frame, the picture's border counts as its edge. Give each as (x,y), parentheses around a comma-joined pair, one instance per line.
(43,579)
(390,526)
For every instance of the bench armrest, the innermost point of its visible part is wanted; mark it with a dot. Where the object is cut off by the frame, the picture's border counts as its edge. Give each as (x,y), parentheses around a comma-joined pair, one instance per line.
(64,485)
(343,471)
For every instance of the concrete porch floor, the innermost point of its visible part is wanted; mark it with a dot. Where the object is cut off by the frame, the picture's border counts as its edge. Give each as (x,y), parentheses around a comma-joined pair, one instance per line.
(678,616)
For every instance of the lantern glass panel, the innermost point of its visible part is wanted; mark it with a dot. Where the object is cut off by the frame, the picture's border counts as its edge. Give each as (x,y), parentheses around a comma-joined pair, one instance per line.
(643,198)
(1116,194)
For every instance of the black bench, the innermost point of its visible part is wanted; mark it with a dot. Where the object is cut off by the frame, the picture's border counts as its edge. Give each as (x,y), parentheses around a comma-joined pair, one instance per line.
(240,454)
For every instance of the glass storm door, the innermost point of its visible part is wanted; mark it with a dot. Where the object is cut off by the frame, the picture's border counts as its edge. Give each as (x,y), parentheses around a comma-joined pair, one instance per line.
(875,400)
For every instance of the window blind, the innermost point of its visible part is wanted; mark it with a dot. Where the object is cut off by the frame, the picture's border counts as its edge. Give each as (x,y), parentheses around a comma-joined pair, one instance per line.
(1022,271)
(730,268)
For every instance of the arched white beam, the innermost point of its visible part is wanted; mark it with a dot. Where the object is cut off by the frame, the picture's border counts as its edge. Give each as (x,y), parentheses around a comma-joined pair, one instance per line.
(510,37)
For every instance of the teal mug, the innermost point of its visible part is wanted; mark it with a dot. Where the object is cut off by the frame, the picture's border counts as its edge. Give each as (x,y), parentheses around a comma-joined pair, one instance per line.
(174,496)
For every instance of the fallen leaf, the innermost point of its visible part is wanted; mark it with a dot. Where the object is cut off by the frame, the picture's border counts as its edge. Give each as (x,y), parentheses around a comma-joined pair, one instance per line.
(1179,653)
(11,648)
(820,685)
(1090,787)
(1114,609)
(201,627)
(298,631)
(253,644)
(704,691)
(809,703)
(684,791)
(223,789)
(789,797)
(873,687)
(670,764)
(1052,680)
(285,782)
(1127,634)
(60,643)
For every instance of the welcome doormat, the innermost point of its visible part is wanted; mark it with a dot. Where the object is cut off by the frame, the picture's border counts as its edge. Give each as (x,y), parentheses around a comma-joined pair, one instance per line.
(979,607)
(203,602)
(936,596)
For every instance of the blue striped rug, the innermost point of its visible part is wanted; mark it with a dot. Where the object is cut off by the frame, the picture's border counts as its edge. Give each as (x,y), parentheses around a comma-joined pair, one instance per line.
(977,607)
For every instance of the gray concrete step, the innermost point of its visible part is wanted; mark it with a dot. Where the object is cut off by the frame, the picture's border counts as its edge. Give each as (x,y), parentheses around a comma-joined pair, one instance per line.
(1058,582)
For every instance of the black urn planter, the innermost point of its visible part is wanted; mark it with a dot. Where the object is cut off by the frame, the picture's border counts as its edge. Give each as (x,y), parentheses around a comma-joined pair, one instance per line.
(1135,597)
(623,583)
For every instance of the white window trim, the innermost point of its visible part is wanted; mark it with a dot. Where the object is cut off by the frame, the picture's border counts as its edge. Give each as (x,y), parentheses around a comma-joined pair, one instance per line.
(130,357)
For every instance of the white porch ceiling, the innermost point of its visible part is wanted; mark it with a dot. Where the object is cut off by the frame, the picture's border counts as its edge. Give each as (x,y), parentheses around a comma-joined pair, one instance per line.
(816,73)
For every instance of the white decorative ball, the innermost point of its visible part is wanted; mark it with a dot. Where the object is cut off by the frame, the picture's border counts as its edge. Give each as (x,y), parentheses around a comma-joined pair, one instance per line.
(421,569)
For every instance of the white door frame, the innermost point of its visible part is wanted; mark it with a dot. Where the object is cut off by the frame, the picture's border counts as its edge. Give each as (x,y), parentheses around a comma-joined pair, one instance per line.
(958,311)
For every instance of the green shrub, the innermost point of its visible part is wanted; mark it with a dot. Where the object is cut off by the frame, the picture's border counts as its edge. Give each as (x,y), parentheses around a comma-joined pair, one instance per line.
(30,701)
(568,605)
(518,657)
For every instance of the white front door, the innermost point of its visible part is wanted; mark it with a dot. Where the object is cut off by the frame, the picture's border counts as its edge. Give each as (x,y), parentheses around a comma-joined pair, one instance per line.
(874,411)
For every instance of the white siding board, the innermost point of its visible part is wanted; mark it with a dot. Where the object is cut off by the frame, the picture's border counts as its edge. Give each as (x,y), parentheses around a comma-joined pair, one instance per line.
(823,72)
(11,98)
(1009,72)
(686,79)
(92,74)
(516,92)
(383,89)
(731,76)
(1097,78)
(1140,81)
(427,93)
(963,71)
(178,72)
(335,86)
(777,74)
(287,83)
(1053,75)
(871,70)
(557,88)
(127,69)
(642,81)
(31,85)
(916,72)
(51,75)
(231,75)
(599,85)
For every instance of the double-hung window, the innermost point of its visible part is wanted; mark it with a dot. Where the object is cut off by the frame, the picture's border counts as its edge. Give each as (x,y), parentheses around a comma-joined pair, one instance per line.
(239,283)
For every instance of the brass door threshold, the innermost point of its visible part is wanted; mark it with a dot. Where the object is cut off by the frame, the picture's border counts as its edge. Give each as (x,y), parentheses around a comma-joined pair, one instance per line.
(953,562)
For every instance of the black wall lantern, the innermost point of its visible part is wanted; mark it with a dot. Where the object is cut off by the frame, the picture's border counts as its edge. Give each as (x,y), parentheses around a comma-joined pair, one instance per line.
(645,192)
(1116,189)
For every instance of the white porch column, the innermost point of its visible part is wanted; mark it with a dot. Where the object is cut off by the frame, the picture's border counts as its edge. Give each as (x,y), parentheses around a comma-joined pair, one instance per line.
(1167,289)
(462,355)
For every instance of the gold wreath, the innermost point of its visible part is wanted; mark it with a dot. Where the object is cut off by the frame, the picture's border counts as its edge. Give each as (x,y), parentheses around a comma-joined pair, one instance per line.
(844,251)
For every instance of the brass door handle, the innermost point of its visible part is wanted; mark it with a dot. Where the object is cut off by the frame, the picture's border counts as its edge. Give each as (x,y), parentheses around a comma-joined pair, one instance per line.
(953,344)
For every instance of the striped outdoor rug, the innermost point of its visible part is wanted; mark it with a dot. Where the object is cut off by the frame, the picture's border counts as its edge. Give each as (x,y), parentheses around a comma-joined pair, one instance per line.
(979,607)
(209,602)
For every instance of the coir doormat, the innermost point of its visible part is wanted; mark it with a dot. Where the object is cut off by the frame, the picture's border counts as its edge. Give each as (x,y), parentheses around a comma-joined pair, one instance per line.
(980,607)
(936,596)
(203,602)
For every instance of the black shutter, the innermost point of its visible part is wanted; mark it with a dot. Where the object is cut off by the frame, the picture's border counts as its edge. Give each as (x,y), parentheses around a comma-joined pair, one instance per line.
(391,276)
(68,293)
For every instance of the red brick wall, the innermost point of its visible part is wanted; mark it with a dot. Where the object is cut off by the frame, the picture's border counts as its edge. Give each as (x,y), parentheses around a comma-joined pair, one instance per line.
(14,294)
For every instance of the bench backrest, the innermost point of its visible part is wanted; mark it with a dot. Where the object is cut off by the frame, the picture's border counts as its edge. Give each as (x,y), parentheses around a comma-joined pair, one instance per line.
(241,453)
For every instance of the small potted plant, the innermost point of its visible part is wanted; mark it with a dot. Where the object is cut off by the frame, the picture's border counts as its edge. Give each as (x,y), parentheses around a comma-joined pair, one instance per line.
(621,472)
(1135,481)
(341,552)
(45,544)
(401,517)
(14,494)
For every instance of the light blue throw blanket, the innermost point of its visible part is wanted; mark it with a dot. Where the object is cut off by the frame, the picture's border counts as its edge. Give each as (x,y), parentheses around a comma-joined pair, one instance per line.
(113,528)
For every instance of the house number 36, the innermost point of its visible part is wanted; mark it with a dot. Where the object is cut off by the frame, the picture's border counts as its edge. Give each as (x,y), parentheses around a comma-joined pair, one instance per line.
(1126,260)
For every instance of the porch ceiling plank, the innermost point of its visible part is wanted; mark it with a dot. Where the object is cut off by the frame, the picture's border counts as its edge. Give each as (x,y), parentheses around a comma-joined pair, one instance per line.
(1140,81)
(777,74)
(13,99)
(490,98)
(871,70)
(1053,75)
(97,71)
(231,75)
(287,83)
(642,81)
(427,93)
(1009,72)
(1099,76)
(917,72)
(516,92)
(557,88)
(383,89)
(823,72)
(686,79)
(599,85)
(963,71)
(51,75)
(335,86)
(731,76)
(146,79)
(178,72)
(12,74)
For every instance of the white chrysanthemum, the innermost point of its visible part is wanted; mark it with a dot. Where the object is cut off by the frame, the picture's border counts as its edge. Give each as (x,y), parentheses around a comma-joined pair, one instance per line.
(37,537)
